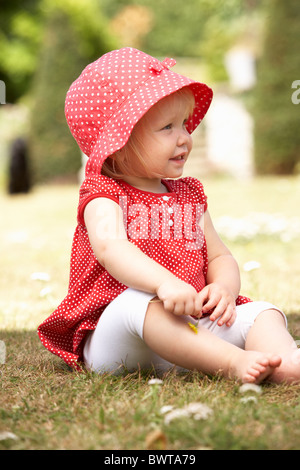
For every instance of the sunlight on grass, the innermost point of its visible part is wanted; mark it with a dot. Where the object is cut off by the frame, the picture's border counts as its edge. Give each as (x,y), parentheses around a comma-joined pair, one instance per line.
(45,406)
(259,221)
(36,237)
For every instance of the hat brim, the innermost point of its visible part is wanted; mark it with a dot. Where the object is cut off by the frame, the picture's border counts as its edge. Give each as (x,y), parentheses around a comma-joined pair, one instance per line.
(116,132)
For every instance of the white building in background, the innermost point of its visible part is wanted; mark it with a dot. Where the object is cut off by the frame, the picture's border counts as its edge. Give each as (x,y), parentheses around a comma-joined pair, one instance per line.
(229,137)
(240,66)
(230,141)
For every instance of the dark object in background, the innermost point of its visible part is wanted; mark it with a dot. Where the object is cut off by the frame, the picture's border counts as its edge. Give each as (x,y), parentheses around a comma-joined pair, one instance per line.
(18,170)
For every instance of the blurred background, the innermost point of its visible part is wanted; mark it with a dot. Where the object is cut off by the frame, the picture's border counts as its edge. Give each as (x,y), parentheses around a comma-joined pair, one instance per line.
(247,50)
(246,151)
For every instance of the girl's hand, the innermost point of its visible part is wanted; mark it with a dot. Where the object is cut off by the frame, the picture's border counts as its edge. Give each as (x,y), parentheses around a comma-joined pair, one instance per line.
(179,298)
(220,298)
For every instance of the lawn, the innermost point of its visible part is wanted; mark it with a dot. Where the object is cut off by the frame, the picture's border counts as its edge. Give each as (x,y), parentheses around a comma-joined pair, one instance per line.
(43,405)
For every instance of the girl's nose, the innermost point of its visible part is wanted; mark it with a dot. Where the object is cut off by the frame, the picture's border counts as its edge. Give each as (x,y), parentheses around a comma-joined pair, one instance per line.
(184,138)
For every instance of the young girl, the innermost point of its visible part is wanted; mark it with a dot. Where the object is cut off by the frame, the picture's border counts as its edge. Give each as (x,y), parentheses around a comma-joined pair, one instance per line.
(146,261)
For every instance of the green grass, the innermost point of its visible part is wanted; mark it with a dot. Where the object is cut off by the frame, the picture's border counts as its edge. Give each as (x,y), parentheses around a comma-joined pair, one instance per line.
(46,406)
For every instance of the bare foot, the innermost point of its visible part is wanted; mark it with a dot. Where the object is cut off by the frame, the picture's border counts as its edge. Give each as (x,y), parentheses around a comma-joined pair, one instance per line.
(289,369)
(254,367)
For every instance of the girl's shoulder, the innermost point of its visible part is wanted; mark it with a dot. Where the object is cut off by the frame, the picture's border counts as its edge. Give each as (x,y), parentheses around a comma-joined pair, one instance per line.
(99,183)
(97,186)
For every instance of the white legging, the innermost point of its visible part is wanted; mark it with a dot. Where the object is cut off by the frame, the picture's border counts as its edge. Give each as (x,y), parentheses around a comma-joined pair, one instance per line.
(117,341)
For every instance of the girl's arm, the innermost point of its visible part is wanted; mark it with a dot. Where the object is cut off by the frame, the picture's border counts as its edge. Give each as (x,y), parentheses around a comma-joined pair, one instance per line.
(129,265)
(223,278)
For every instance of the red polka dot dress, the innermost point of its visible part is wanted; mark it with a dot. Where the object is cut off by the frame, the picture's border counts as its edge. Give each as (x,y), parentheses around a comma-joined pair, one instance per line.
(166,227)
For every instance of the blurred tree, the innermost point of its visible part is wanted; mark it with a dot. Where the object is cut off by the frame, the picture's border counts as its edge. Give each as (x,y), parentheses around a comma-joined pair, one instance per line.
(199,28)
(132,24)
(75,34)
(20,37)
(277,136)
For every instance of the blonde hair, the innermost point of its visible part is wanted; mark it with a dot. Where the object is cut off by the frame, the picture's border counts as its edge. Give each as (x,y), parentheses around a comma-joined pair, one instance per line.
(120,163)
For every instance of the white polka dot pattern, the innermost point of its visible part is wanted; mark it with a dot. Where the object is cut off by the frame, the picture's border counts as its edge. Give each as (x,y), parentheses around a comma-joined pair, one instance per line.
(114,92)
(91,288)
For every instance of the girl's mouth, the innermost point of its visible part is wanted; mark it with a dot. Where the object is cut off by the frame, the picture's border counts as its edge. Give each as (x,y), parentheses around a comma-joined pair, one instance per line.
(179,158)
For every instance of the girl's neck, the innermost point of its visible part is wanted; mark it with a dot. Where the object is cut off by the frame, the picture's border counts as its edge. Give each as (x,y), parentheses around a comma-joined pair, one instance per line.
(151,185)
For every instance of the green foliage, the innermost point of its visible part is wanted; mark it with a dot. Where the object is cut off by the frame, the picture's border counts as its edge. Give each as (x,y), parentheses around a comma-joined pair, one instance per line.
(185,31)
(200,28)
(277,137)
(203,29)
(73,37)
(20,36)
(52,149)
(22,25)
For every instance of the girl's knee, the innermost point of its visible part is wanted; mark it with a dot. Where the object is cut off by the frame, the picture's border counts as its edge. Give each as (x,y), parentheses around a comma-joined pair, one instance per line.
(272,315)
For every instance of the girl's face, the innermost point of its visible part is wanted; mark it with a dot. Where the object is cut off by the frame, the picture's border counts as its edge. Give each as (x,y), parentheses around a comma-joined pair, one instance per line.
(163,141)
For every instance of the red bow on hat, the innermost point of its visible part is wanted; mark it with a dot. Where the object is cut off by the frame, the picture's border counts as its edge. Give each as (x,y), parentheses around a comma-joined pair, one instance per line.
(158,66)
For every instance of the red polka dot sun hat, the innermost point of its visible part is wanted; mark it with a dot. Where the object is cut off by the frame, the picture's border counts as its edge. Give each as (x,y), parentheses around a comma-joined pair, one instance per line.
(113,93)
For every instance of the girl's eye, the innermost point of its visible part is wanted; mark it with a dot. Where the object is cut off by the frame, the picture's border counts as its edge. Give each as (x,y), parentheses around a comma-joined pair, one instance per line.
(168,126)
